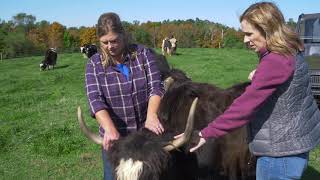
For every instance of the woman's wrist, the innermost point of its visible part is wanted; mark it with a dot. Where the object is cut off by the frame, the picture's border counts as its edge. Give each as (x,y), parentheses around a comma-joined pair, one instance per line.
(104,120)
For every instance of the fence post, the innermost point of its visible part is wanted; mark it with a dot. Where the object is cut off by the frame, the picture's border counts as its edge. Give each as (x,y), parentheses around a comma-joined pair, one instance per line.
(1,56)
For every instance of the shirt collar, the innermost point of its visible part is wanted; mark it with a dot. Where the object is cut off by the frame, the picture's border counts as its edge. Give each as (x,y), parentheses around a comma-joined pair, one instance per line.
(263,52)
(125,62)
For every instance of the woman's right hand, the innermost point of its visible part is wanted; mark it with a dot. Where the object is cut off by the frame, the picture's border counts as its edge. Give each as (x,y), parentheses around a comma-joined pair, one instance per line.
(111,134)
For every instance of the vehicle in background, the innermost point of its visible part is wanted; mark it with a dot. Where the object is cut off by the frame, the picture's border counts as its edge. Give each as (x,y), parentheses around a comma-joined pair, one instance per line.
(308,28)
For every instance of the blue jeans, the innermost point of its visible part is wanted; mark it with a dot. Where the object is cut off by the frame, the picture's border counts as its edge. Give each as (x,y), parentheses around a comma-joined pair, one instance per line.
(287,167)
(107,170)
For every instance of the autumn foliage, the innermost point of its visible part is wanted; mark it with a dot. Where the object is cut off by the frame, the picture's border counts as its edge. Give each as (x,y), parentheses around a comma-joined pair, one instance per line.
(88,36)
(24,36)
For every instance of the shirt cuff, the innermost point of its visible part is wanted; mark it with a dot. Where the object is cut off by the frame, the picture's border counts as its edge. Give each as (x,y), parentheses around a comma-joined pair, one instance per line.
(157,92)
(207,133)
(97,106)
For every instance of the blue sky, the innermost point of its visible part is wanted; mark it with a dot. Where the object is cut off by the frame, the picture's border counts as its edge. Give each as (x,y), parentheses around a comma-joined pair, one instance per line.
(75,13)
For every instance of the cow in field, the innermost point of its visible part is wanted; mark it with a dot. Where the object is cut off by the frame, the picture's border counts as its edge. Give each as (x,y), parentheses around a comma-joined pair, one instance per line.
(185,107)
(166,46)
(88,50)
(50,60)
(173,42)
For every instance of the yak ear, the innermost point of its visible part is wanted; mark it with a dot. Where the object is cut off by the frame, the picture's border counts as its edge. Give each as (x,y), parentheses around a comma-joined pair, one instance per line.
(84,128)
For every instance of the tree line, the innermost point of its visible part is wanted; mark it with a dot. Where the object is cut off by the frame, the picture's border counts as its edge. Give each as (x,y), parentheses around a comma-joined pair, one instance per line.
(24,36)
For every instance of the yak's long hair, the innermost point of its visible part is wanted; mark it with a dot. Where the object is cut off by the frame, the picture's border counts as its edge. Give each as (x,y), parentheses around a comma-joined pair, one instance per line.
(142,147)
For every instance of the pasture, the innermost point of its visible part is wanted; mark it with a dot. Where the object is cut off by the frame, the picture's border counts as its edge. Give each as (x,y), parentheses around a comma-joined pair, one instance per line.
(39,133)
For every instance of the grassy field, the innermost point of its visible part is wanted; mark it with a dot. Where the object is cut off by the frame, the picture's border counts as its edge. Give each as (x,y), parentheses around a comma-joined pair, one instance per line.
(39,132)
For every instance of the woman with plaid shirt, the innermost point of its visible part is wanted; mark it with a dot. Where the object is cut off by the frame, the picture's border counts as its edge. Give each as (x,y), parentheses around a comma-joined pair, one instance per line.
(123,85)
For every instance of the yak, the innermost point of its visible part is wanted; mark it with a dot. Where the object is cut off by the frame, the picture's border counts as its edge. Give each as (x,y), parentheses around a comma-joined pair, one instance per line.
(185,107)
(50,59)
(227,157)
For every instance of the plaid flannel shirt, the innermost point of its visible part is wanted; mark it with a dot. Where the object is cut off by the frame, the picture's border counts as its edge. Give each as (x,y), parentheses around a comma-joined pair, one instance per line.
(125,100)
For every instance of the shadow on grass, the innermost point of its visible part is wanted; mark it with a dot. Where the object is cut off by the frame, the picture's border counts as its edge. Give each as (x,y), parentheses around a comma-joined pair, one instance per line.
(177,54)
(61,67)
(311,174)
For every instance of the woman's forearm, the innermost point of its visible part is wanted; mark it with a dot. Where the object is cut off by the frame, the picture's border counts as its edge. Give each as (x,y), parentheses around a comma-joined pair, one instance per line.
(104,119)
(153,104)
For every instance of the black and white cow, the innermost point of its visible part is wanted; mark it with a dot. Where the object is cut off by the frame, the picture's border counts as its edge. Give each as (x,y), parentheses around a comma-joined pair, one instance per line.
(88,50)
(50,59)
(166,46)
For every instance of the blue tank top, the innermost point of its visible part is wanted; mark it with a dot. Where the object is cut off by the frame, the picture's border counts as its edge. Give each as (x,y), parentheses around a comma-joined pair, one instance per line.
(124,70)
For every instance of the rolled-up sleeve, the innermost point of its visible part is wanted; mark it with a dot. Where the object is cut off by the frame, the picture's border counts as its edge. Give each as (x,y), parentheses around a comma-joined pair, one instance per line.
(155,85)
(93,89)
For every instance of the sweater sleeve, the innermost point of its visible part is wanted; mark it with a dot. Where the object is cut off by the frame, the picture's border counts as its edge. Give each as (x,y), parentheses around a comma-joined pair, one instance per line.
(272,71)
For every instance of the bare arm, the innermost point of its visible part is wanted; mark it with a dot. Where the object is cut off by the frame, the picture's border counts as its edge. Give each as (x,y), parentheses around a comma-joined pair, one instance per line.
(152,121)
(111,133)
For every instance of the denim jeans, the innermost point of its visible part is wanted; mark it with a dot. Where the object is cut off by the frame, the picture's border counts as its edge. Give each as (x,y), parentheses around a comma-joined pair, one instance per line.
(107,170)
(287,167)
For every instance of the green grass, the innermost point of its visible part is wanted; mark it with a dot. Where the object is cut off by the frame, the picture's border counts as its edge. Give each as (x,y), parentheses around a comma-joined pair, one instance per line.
(39,132)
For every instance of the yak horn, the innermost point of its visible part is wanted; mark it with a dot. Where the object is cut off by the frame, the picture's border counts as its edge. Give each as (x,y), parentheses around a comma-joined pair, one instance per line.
(167,82)
(84,128)
(187,132)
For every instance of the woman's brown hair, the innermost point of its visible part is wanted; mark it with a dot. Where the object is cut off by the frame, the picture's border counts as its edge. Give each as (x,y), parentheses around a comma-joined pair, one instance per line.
(110,22)
(268,19)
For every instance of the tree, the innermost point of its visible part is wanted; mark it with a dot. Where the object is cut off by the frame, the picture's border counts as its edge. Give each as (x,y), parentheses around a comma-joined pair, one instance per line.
(66,40)
(22,20)
(185,35)
(88,36)
(55,35)
(38,38)
(43,24)
(217,38)
(3,34)
(233,39)
(17,45)
(143,37)
(292,24)
(74,37)
(23,34)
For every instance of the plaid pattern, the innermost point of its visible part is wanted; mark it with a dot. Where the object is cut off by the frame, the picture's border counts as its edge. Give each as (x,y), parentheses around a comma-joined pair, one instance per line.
(125,100)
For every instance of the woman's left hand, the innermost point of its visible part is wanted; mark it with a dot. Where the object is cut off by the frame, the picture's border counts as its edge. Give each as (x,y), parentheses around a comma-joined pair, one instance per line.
(153,124)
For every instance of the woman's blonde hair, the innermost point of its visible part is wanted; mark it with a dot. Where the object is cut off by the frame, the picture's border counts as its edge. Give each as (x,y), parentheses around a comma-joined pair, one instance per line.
(110,22)
(268,19)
